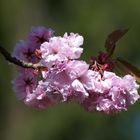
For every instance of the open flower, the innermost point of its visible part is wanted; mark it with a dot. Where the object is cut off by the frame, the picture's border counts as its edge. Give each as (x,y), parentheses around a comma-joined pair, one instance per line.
(115,94)
(38,35)
(25,51)
(23,84)
(61,49)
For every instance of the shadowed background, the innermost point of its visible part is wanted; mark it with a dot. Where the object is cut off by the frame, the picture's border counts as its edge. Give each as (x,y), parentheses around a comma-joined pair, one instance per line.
(93,19)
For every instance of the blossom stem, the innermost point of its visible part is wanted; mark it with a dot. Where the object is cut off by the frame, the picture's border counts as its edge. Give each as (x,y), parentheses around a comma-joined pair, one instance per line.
(18,62)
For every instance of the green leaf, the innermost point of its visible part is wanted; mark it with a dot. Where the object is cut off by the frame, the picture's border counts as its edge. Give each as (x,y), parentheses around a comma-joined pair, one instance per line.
(130,68)
(112,39)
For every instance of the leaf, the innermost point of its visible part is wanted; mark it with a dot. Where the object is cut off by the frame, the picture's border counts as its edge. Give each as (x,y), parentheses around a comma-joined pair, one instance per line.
(130,68)
(112,39)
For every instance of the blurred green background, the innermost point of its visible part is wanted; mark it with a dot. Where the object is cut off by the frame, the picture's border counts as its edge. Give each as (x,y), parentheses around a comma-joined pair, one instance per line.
(93,19)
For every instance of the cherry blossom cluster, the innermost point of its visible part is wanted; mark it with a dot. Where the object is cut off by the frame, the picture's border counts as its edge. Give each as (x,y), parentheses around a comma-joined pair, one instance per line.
(65,78)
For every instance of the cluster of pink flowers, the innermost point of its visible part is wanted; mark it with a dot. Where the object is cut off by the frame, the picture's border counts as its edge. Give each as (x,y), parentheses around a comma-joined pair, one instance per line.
(65,78)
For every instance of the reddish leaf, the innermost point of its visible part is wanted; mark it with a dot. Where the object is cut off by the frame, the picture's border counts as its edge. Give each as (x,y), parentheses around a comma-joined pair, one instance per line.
(130,68)
(112,40)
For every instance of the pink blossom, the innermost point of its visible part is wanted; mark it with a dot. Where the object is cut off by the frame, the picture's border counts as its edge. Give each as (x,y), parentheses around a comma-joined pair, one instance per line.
(24,83)
(58,83)
(115,94)
(38,35)
(66,78)
(76,68)
(25,51)
(38,98)
(74,40)
(60,49)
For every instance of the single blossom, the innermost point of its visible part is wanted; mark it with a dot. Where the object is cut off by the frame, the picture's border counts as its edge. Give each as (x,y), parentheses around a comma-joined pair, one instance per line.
(25,51)
(60,49)
(39,35)
(23,84)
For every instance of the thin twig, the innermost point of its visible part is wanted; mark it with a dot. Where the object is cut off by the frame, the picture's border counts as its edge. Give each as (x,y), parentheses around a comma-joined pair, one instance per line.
(18,62)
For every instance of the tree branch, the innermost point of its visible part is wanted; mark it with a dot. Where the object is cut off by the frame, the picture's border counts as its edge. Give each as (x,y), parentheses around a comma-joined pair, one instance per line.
(18,62)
